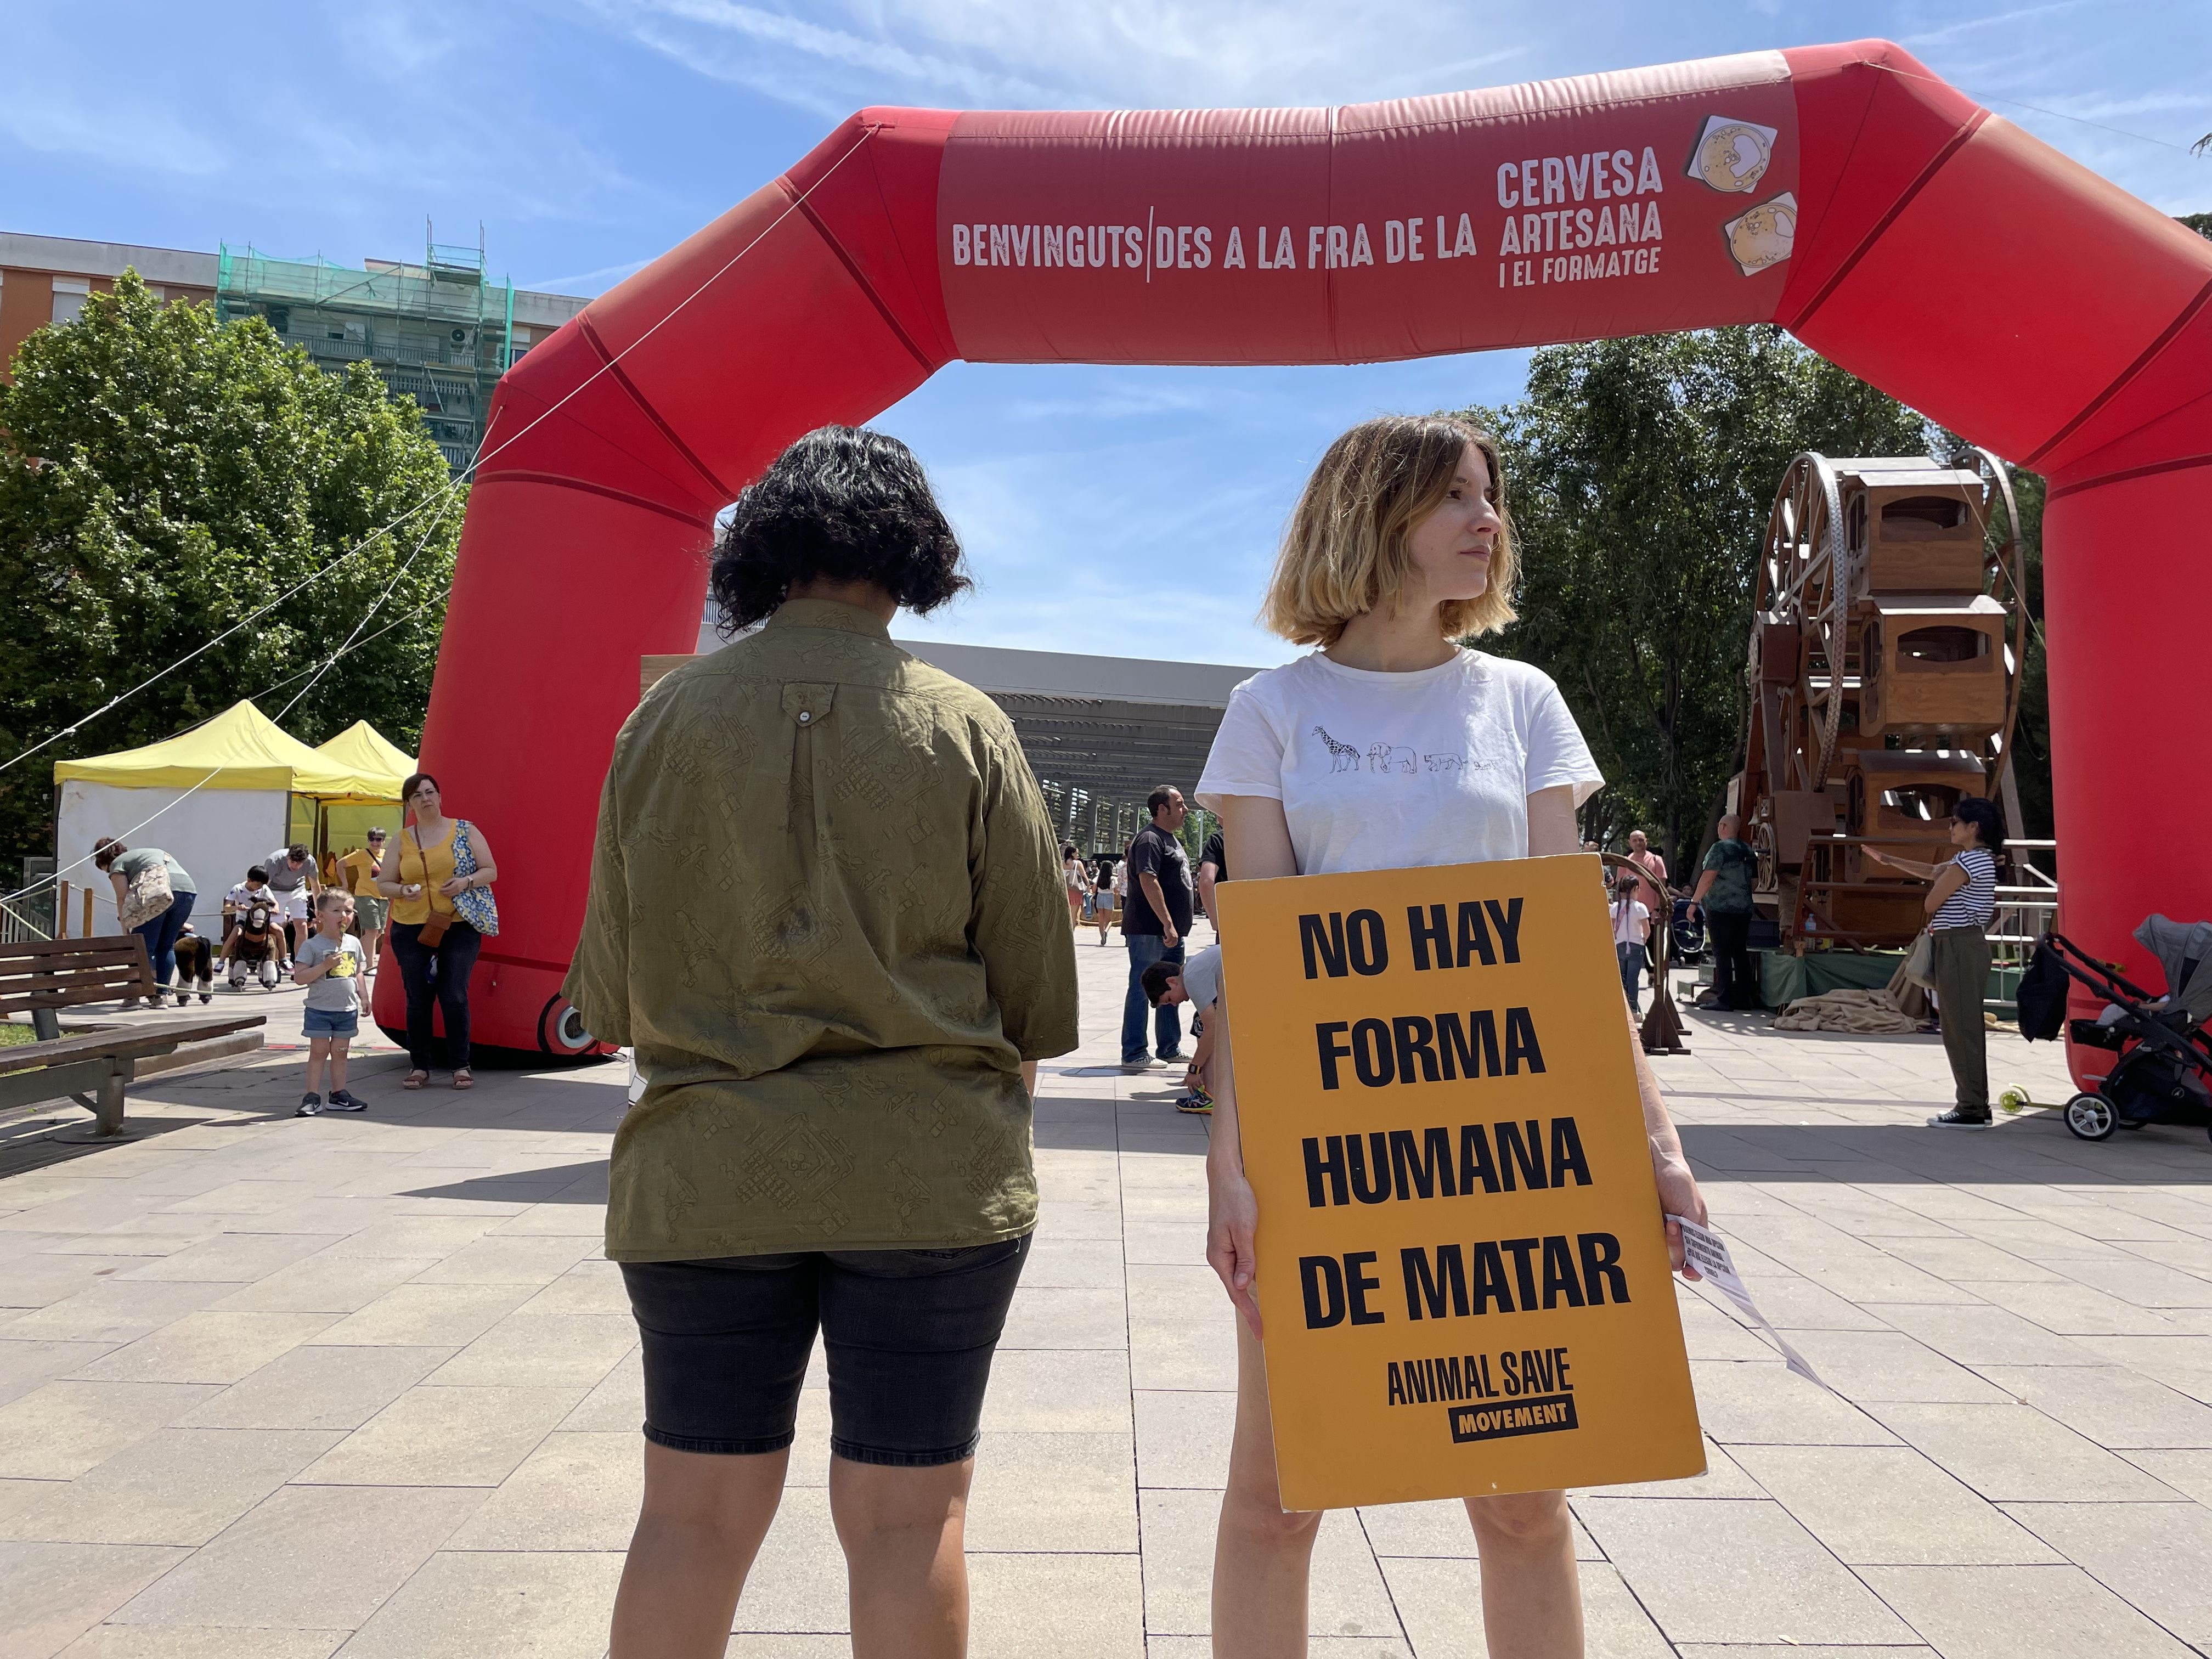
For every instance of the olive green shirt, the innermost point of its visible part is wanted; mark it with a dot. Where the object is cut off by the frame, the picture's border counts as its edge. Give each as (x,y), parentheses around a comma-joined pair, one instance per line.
(826,912)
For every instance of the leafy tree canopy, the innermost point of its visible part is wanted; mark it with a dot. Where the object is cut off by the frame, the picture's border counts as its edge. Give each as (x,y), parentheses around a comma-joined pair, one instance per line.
(162,477)
(1639,475)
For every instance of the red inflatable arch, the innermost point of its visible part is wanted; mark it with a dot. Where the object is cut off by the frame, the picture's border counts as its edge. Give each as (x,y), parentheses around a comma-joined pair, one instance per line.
(1843,192)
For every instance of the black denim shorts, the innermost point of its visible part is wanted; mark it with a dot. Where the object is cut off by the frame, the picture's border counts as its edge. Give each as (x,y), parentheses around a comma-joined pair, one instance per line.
(908,1335)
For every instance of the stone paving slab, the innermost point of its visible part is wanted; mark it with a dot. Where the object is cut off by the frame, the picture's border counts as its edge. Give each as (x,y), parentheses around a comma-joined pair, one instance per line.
(276,1389)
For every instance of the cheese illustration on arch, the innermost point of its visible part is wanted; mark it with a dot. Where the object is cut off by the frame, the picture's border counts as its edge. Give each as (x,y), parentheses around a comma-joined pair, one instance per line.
(1763,235)
(1732,156)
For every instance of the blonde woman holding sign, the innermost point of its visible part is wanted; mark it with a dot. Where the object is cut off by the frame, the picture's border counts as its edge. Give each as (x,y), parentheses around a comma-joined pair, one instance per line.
(1392,747)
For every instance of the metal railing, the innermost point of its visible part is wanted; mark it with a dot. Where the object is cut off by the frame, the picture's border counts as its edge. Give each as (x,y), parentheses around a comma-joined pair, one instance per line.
(2025,911)
(19,926)
(49,909)
(2033,901)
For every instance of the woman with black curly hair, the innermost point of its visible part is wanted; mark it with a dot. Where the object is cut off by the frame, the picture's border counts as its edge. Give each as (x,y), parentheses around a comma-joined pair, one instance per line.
(825,912)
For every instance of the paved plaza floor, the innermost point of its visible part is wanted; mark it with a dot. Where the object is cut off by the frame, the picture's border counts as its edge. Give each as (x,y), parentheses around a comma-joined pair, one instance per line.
(278,1389)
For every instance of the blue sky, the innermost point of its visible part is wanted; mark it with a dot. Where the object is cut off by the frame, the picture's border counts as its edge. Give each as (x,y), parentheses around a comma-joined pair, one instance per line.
(1118,510)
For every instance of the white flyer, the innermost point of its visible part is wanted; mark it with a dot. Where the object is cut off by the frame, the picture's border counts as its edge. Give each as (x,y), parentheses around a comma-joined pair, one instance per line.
(1708,1252)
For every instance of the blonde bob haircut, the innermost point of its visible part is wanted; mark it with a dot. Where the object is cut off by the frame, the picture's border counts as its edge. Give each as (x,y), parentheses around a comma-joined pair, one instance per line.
(1345,551)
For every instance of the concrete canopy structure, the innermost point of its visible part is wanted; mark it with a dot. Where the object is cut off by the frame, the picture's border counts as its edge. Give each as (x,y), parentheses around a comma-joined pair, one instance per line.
(1101,733)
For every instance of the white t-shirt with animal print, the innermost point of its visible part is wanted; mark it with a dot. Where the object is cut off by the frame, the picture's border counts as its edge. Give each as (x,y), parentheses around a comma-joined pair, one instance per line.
(1395,771)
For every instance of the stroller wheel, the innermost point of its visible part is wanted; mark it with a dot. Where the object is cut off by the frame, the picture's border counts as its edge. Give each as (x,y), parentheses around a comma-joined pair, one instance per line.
(2091,1117)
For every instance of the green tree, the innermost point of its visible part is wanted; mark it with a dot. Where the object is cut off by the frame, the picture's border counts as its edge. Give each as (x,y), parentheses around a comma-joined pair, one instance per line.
(1640,473)
(163,477)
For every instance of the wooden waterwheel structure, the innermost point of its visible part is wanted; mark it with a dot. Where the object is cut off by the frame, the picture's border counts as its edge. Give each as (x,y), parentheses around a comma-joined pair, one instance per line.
(1886,649)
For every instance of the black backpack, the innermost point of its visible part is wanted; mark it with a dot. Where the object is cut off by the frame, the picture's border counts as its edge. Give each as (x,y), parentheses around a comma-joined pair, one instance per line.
(2042,1000)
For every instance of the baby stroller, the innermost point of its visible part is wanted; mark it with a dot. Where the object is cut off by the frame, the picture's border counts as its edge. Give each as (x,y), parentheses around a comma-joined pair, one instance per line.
(254,946)
(1686,933)
(2163,1071)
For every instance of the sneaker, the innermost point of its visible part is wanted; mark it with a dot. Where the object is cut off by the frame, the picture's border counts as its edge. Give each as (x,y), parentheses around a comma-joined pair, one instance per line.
(1955,1119)
(310,1106)
(1144,1065)
(206,997)
(343,1102)
(1178,1058)
(1198,1103)
(183,997)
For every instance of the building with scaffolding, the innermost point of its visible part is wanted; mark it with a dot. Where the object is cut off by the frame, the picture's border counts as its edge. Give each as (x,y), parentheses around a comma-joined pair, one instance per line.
(441,332)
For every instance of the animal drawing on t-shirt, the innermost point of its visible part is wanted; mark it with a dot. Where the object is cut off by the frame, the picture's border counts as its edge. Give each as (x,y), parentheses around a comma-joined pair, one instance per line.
(1342,755)
(1383,757)
(1444,762)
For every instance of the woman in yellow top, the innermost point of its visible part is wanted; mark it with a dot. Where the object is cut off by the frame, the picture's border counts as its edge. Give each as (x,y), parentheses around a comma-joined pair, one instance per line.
(372,910)
(418,875)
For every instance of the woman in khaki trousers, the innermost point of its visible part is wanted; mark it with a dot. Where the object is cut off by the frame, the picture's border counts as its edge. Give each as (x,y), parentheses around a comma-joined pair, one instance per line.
(1960,907)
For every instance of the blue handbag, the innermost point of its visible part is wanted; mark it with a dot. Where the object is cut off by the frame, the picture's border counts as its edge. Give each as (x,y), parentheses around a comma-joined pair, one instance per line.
(474,905)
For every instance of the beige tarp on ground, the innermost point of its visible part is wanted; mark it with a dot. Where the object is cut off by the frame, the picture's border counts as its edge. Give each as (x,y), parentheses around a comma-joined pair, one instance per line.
(1898,1010)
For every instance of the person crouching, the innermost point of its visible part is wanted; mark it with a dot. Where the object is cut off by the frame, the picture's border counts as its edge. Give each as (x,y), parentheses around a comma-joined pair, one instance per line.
(1198,982)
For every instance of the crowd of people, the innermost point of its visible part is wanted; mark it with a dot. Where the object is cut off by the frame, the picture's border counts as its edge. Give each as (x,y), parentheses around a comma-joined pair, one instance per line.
(425,898)
(838,1037)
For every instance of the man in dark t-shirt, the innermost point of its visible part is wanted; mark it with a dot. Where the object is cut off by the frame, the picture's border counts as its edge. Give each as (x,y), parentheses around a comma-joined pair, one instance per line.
(1213,869)
(1155,920)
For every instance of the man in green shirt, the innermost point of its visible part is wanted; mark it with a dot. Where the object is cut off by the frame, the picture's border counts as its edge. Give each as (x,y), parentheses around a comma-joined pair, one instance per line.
(826,913)
(1724,893)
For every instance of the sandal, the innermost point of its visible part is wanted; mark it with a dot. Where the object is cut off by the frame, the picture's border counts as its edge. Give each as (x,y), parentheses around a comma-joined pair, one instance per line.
(463,1079)
(414,1079)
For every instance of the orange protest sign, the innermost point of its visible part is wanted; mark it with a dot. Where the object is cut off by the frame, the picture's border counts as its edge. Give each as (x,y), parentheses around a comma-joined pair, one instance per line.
(1462,1267)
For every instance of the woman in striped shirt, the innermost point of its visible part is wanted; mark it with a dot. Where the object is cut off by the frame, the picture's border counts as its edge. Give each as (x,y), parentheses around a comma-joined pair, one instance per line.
(1959,907)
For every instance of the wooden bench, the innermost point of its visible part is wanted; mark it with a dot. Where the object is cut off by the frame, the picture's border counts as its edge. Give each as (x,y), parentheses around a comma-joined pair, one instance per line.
(43,976)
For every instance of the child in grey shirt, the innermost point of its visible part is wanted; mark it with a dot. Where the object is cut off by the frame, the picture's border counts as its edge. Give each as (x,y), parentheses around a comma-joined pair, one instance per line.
(329,965)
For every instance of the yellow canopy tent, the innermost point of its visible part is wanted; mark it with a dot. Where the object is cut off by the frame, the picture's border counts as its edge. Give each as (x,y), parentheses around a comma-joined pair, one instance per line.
(242,747)
(219,798)
(379,765)
(378,768)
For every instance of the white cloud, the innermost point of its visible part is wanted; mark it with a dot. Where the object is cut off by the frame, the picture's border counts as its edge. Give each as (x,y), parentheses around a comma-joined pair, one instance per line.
(398,40)
(587,282)
(126,134)
(1017,54)
(1967,26)
(1120,400)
